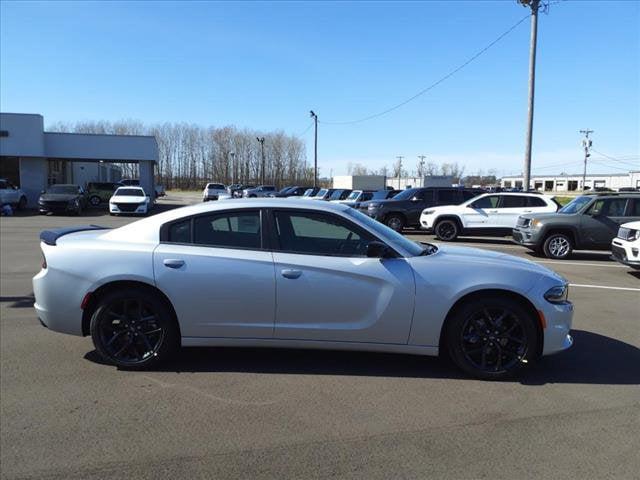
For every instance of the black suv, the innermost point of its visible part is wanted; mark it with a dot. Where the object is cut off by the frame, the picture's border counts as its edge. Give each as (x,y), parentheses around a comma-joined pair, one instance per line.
(404,209)
(588,222)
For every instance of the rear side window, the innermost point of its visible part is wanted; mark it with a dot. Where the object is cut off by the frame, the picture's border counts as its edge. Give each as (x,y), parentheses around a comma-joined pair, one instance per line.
(611,207)
(180,232)
(448,197)
(513,201)
(232,230)
(634,208)
(536,202)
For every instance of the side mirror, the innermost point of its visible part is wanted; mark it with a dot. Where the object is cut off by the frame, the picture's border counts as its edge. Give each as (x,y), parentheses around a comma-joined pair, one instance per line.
(415,199)
(377,249)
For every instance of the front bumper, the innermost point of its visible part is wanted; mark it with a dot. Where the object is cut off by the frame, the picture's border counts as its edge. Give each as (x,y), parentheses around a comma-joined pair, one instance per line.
(525,237)
(625,253)
(57,208)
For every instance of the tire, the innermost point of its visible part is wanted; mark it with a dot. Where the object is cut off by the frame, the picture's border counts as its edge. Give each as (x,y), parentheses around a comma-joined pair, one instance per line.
(22,203)
(395,222)
(474,346)
(447,230)
(95,201)
(557,246)
(134,329)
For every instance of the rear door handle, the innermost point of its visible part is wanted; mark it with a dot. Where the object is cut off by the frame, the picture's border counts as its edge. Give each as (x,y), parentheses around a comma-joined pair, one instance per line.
(289,273)
(493,211)
(173,263)
(527,211)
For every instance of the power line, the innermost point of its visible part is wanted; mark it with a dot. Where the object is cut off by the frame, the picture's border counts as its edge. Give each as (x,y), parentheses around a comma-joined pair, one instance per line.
(436,83)
(305,130)
(615,159)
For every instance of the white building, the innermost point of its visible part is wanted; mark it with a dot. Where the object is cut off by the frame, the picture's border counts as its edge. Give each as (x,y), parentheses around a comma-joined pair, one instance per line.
(359,182)
(403,183)
(34,159)
(573,183)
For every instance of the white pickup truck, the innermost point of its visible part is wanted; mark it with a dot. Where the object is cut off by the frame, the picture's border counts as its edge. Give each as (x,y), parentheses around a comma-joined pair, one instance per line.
(12,195)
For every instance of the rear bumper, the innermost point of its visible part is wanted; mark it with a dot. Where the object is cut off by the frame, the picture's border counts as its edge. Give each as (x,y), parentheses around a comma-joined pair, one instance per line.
(57,304)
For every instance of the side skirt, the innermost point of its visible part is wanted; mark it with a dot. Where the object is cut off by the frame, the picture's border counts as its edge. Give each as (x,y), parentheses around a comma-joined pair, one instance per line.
(315,344)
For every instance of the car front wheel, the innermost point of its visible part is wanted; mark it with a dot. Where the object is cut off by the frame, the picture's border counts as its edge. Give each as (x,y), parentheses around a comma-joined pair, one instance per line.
(134,329)
(395,222)
(446,230)
(491,338)
(557,246)
(95,200)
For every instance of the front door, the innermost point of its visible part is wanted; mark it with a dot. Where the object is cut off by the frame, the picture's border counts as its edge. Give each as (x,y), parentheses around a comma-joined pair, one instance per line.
(327,289)
(217,275)
(482,212)
(600,223)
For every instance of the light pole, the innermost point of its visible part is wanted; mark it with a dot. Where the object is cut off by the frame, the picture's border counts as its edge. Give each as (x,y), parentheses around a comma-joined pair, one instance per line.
(586,144)
(233,166)
(315,149)
(261,140)
(534,5)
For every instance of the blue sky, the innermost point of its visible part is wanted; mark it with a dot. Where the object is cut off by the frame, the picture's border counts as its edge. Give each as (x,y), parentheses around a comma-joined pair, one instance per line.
(263,65)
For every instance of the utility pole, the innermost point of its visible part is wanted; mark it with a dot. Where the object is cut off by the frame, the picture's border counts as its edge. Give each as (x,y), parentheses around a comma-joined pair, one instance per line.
(421,165)
(261,140)
(586,144)
(315,149)
(399,157)
(233,167)
(534,5)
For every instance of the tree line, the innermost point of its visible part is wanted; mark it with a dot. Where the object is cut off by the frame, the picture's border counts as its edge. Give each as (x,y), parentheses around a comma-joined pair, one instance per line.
(191,155)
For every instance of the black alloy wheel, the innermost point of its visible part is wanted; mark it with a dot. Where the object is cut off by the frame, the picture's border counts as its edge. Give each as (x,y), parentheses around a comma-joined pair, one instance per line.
(492,338)
(95,200)
(446,230)
(395,222)
(133,329)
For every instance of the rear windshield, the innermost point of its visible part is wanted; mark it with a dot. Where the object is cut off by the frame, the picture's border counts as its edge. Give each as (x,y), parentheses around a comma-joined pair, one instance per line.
(130,192)
(216,186)
(63,189)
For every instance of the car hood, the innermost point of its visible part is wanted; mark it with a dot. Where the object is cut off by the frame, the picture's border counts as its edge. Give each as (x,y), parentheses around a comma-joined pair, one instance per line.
(386,201)
(551,215)
(469,257)
(58,197)
(127,199)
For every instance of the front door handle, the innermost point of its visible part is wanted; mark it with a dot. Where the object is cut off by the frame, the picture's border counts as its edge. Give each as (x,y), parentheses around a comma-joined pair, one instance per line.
(289,273)
(493,211)
(173,263)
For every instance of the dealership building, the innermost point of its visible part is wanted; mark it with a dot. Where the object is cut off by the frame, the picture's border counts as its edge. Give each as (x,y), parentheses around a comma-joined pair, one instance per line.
(573,183)
(34,159)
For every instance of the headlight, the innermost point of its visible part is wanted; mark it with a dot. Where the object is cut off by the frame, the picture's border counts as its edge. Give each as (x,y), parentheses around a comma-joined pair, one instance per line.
(557,294)
(536,223)
(74,202)
(428,212)
(633,235)
(373,206)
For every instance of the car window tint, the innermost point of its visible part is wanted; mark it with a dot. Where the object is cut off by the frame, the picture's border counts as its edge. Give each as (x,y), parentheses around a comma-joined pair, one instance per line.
(468,195)
(448,197)
(486,202)
(3,185)
(320,234)
(611,207)
(513,201)
(634,210)
(238,229)
(180,232)
(536,202)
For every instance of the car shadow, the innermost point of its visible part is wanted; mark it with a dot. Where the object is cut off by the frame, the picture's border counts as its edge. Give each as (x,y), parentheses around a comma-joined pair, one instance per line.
(593,359)
(25,301)
(634,273)
(604,257)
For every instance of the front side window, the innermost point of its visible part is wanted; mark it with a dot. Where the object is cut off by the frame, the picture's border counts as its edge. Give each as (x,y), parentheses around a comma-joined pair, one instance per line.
(231,230)
(319,234)
(490,201)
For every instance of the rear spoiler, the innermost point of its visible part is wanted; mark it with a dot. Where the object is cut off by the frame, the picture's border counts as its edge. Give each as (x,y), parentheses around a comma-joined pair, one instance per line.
(50,236)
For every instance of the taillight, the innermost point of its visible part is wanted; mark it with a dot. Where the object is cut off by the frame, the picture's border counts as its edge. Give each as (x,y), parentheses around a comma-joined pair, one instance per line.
(44,262)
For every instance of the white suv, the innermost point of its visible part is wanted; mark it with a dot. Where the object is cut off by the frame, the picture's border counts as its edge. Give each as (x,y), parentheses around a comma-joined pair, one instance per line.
(626,246)
(493,214)
(214,191)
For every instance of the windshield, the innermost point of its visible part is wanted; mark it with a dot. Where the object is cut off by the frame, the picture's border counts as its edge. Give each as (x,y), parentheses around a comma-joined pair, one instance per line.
(308,192)
(407,194)
(322,192)
(63,189)
(391,236)
(285,189)
(336,195)
(354,195)
(130,192)
(380,195)
(575,205)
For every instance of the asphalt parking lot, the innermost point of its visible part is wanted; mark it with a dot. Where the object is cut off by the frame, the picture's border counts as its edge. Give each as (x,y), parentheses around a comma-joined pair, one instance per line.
(251,413)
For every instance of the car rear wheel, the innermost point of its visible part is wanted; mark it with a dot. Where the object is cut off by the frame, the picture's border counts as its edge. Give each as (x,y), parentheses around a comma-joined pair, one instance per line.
(491,338)
(557,246)
(95,200)
(395,222)
(446,230)
(134,329)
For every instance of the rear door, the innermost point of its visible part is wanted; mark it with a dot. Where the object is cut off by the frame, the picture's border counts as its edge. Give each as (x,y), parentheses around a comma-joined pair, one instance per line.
(600,223)
(218,275)
(509,209)
(328,290)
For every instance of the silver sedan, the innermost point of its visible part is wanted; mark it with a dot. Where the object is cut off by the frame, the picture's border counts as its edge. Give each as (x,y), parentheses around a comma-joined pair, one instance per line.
(295,274)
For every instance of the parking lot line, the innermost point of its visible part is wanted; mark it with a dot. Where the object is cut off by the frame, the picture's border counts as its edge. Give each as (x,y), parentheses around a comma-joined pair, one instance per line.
(605,287)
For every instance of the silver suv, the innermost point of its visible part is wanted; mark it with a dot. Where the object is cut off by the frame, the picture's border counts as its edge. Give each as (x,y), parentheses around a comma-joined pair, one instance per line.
(12,195)
(261,191)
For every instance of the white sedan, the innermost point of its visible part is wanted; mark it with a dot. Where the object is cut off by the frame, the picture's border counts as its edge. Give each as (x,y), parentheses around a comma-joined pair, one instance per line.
(295,274)
(131,200)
